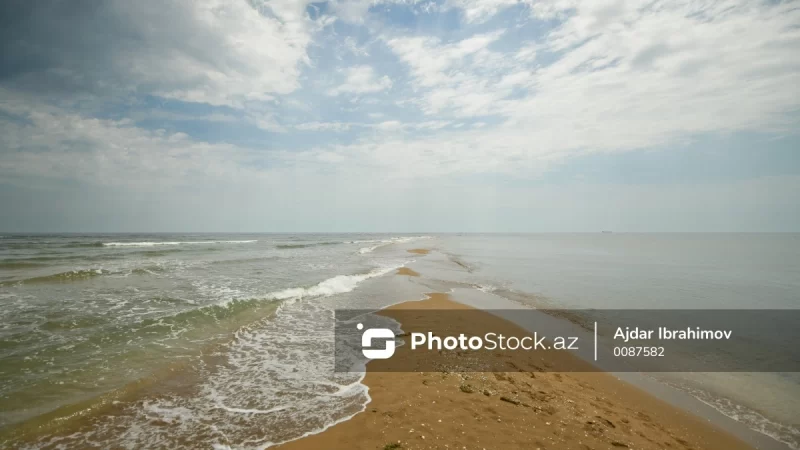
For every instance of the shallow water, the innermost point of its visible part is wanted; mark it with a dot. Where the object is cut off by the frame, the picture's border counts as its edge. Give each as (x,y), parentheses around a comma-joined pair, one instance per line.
(662,271)
(225,340)
(84,316)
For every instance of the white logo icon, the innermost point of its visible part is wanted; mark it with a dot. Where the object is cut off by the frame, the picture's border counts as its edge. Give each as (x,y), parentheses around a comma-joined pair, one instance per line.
(377,333)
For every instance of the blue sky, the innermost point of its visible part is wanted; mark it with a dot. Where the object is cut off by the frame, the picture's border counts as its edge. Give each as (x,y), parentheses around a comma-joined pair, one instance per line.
(454,115)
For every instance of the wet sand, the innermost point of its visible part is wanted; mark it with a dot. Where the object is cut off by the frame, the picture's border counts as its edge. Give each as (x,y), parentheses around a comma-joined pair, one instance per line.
(528,407)
(407,272)
(419,251)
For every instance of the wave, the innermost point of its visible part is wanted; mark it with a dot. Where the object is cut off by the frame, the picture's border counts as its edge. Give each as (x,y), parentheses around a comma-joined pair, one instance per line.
(246,260)
(336,285)
(241,316)
(315,244)
(382,242)
(46,245)
(62,257)
(785,433)
(99,244)
(153,244)
(223,310)
(38,261)
(152,253)
(81,244)
(377,242)
(78,274)
(9,265)
(148,270)
(63,277)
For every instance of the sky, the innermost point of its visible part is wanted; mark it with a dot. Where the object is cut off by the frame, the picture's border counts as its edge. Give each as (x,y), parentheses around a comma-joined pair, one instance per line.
(399,115)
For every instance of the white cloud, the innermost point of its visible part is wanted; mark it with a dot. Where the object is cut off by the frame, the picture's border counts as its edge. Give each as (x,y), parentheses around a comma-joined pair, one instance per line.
(637,76)
(324,126)
(353,47)
(256,52)
(54,144)
(220,52)
(361,80)
(613,76)
(268,123)
(433,63)
(351,10)
(388,125)
(481,10)
(455,78)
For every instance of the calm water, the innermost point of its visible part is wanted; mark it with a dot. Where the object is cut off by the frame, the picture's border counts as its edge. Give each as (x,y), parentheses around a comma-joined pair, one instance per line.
(225,340)
(662,271)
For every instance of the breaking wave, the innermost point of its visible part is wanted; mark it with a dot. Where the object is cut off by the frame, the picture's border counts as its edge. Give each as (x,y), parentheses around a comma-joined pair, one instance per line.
(153,244)
(258,386)
(63,277)
(381,242)
(83,274)
(336,285)
(314,244)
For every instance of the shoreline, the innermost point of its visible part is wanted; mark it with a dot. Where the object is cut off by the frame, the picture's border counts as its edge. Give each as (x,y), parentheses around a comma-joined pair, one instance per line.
(543,394)
(519,409)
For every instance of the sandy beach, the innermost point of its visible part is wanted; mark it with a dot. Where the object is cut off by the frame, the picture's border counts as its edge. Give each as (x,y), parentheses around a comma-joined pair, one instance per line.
(527,408)
(272,382)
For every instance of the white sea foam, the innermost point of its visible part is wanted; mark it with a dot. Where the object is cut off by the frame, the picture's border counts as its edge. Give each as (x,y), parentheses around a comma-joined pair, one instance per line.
(782,432)
(368,249)
(253,411)
(381,242)
(153,244)
(336,285)
(281,371)
(487,288)
(275,380)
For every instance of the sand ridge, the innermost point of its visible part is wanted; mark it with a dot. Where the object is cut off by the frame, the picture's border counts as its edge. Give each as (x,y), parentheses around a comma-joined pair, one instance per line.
(407,272)
(520,409)
(419,251)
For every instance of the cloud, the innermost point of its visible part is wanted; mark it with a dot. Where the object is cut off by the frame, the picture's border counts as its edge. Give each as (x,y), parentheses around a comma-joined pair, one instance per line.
(208,51)
(613,76)
(248,94)
(351,10)
(361,80)
(610,76)
(635,76)
(481,10)
(49,143)
(388,125)
(456,78)
(324,126)
(431,61)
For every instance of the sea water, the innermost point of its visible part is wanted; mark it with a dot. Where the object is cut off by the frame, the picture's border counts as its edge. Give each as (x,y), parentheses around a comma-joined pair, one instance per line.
(225,340)
(662,271)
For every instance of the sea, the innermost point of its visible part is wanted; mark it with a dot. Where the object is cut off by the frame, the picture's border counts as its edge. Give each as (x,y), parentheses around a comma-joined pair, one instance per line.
(225,341)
